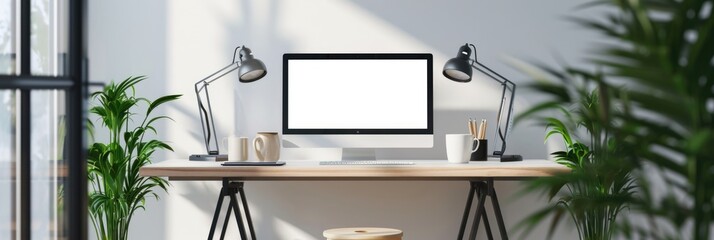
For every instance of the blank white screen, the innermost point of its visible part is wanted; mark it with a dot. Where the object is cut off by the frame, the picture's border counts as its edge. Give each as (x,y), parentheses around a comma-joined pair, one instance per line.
(357,94)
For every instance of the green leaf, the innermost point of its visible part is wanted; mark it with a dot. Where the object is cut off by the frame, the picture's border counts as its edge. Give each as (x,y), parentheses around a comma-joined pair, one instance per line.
(160,101)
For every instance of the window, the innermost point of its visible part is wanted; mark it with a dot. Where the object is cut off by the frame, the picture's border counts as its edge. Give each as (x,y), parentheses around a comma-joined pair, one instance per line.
(42,99)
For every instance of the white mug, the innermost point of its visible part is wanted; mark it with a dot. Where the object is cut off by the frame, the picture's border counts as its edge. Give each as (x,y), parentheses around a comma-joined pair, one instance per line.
(458,147)
(237,148)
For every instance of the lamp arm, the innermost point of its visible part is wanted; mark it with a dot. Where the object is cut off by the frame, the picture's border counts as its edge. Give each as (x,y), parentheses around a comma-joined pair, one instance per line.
(500,79)
(507,85)
(203,115)
(509,114)
(208,126)
(211,78)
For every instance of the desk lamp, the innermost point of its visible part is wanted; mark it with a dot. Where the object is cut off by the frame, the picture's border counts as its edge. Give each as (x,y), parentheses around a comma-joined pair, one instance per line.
(459,69)
(249,70)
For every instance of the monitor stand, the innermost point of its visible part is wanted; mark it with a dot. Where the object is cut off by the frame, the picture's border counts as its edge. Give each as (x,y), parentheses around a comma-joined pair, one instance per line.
(354,154)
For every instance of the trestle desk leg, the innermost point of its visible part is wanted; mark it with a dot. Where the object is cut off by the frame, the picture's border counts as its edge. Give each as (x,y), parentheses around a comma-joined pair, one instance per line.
(497,211)
(486,225)
(479,211)
(482,189)
(247,212)
(225,222)
(230,189)
(215,214)
(239,217)
(467,210)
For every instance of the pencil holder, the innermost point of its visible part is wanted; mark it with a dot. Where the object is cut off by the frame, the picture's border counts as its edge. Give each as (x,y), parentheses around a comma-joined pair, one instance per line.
(479,150)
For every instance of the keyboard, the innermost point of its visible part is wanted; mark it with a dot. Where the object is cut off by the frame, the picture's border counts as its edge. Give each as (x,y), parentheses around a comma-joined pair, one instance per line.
(367,162)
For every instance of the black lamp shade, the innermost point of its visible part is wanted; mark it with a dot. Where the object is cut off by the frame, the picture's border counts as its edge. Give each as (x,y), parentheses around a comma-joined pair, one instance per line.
(459,68)
(251,69)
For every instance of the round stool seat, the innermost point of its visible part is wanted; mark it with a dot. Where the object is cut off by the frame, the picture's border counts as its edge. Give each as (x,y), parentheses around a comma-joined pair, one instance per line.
(367,233)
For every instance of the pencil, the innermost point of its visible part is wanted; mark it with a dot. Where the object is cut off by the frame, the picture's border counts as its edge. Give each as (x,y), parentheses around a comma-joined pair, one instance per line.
(473,125)
(482,129)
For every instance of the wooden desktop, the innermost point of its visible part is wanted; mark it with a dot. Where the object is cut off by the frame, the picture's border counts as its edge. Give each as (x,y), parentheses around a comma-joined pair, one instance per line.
(480,175)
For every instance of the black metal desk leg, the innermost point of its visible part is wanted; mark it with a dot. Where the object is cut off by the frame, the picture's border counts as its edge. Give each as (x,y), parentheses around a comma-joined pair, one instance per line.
(467,210)
(497,211)
(225,222)
(482,190)
(479,211)
(239,217)
(485,218)
(215,214)
(247,211)
(230,189)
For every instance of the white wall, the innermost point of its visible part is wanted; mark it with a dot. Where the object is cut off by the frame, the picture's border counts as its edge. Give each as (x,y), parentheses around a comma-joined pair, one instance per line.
(177,43)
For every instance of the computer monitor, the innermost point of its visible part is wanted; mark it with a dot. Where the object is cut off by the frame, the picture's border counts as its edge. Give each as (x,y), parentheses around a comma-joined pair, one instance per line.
(358,102)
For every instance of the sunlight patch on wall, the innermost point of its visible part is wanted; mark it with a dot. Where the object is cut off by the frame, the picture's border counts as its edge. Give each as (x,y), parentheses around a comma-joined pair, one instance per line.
(341,26)
(289,231)
(190,198)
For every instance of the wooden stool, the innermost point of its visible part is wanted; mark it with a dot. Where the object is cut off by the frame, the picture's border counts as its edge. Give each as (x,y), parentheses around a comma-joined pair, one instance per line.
(369,233)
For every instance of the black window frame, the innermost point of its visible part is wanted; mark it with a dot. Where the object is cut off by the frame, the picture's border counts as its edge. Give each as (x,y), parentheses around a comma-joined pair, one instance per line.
(74,83)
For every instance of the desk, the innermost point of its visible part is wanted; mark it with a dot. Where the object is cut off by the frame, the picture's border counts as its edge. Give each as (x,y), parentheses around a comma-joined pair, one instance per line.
(480,175)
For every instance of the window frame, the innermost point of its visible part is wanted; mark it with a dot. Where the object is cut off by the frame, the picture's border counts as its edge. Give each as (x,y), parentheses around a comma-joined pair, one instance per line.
(74,83)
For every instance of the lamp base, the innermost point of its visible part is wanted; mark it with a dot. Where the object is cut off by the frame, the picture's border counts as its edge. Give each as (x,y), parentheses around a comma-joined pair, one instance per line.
(511,158)
(208,157)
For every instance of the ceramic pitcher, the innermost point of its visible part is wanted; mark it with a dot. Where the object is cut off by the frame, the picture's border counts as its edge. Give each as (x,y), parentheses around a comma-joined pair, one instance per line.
(267,146)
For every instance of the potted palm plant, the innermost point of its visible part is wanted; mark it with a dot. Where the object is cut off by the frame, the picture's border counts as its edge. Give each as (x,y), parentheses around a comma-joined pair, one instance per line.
(659,72)
(116,189)
(600,184)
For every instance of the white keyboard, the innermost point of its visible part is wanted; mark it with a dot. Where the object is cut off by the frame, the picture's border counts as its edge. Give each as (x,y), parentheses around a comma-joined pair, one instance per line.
(367,162)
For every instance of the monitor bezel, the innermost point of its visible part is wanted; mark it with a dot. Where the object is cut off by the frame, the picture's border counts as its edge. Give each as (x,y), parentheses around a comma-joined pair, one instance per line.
(357,56)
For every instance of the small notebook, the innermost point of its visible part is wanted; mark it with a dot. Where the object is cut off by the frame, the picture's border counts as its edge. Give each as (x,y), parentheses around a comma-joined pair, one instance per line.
(278,163)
